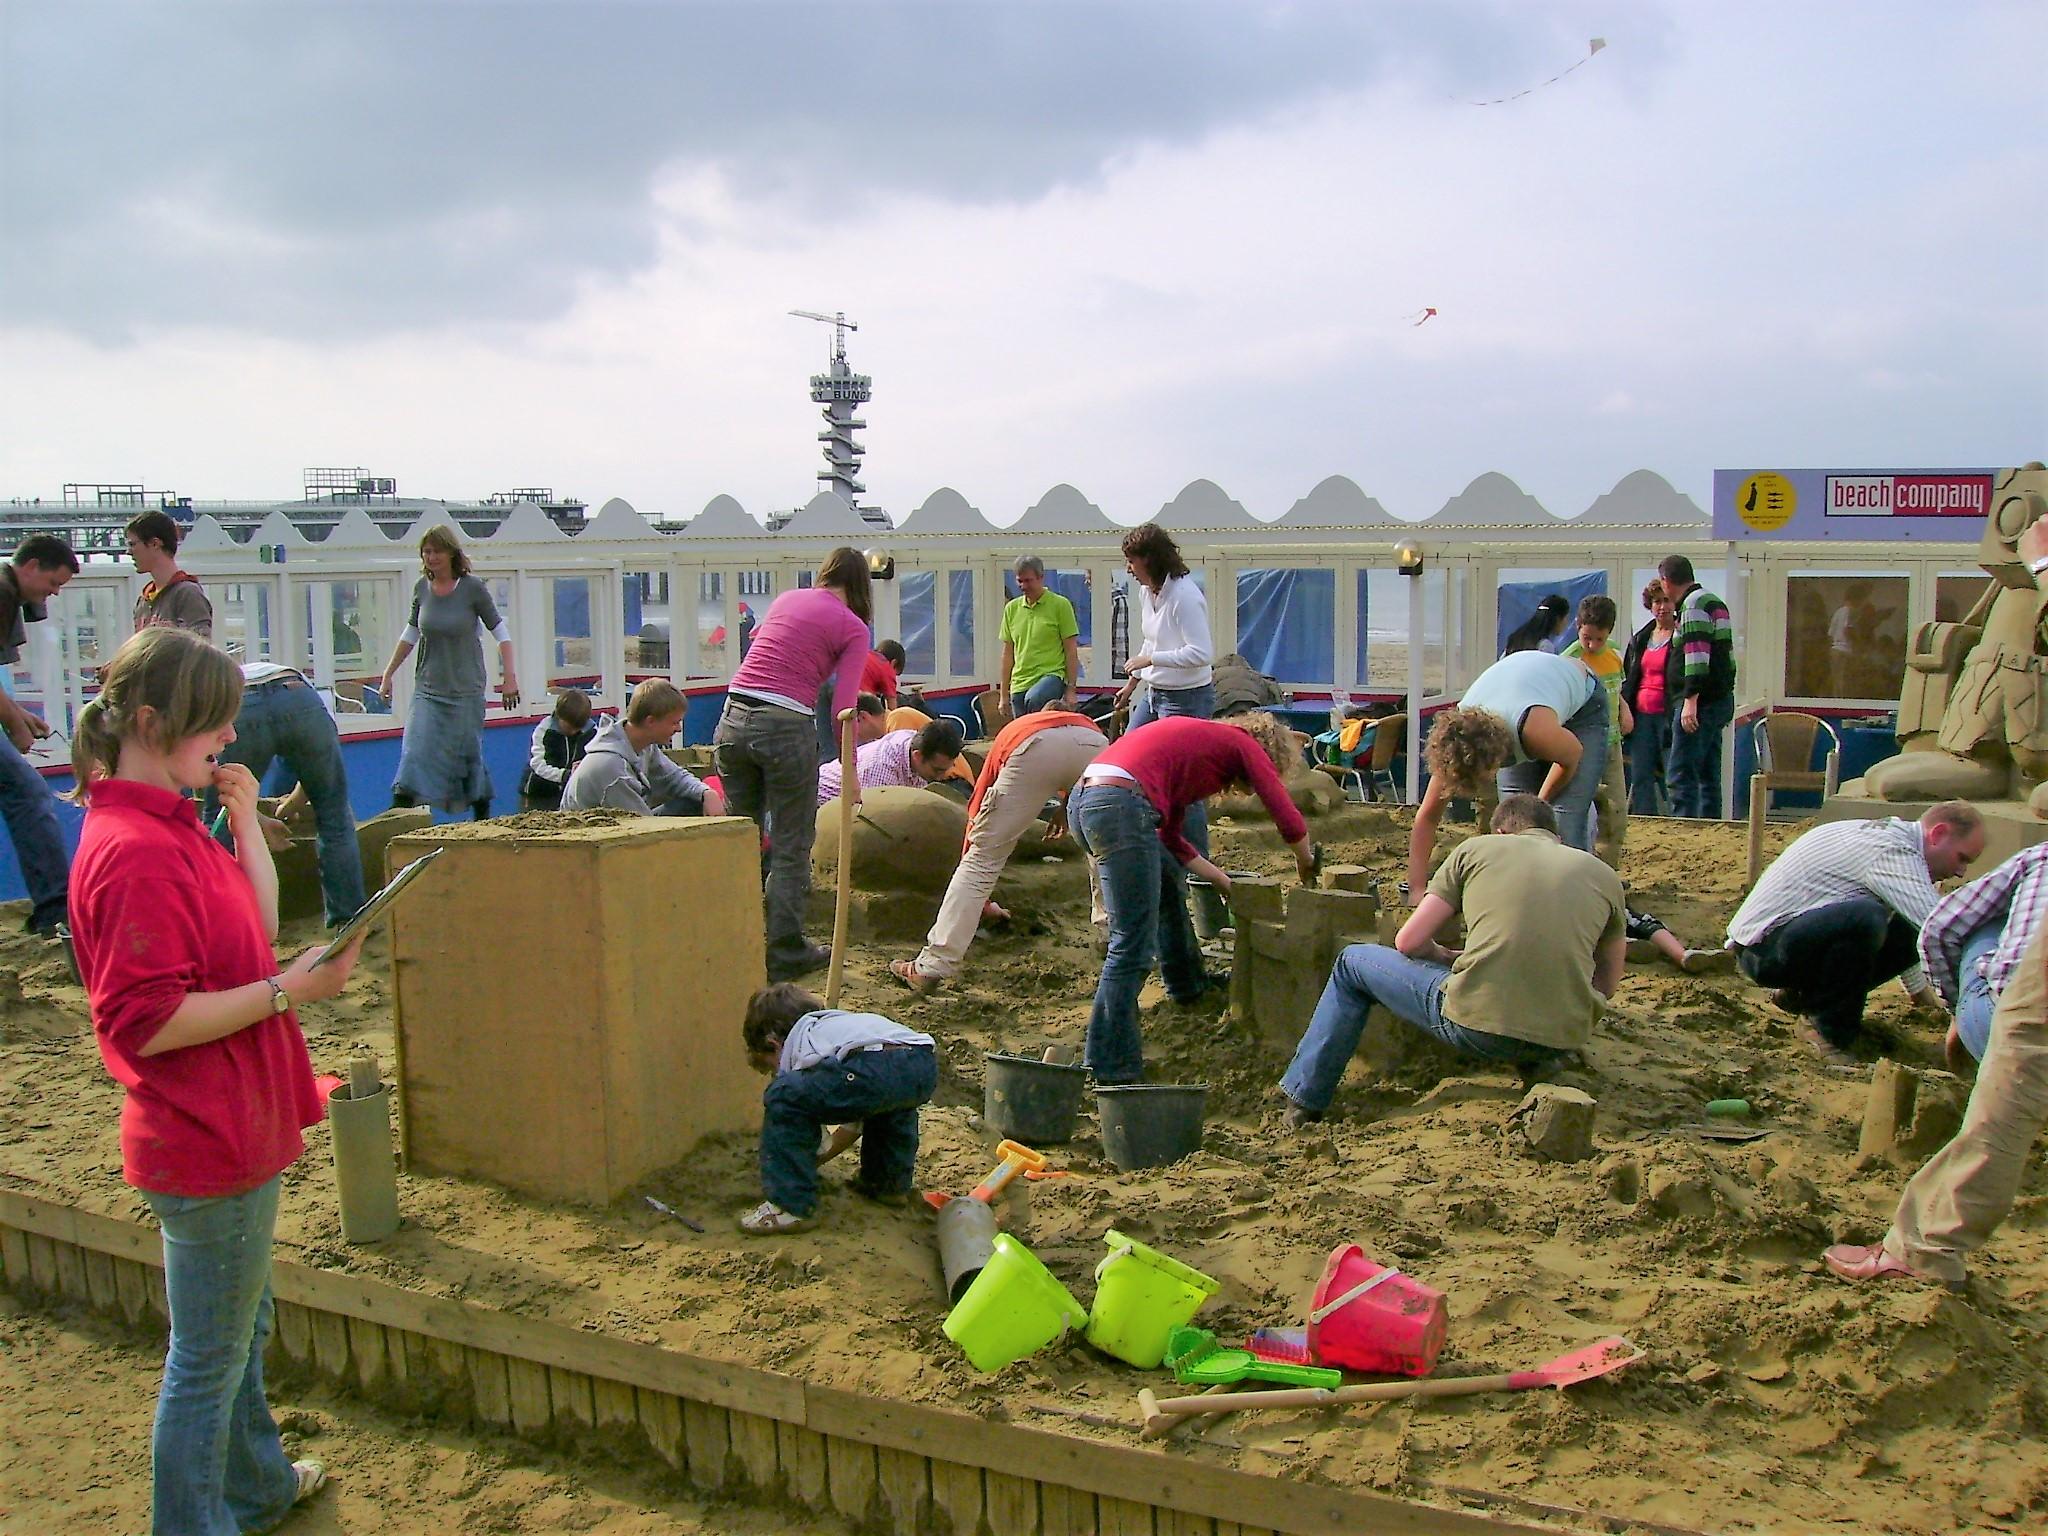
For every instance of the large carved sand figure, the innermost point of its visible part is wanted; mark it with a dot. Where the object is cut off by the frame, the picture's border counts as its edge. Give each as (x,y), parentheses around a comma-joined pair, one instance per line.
(1972,722)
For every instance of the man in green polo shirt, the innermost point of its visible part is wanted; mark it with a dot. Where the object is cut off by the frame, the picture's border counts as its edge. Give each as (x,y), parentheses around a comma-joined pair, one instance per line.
(1544,949)
(1041,643)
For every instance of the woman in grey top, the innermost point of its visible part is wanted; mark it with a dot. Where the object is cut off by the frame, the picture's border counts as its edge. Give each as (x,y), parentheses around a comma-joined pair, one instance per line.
(442,761)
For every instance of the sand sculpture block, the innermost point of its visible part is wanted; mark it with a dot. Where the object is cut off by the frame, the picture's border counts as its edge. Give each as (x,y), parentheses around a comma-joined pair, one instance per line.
(569,991)
(1287,940)
(1558,1122)
(1909,1115)
(903,839)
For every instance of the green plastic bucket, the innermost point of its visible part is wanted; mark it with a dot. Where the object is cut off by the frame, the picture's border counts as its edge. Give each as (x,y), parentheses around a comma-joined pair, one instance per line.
(1014,1308)
(1141,1296)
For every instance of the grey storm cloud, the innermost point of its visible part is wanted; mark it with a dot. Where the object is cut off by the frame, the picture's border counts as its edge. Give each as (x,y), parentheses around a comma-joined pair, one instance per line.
(335,169)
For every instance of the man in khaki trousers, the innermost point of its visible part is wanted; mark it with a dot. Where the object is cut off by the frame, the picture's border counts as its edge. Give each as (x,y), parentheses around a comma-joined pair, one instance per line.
(1957,1200)
(1033,759)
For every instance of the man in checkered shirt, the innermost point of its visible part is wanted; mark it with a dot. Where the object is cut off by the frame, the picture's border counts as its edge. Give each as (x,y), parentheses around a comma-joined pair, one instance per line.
(1839,913)
(1973,940)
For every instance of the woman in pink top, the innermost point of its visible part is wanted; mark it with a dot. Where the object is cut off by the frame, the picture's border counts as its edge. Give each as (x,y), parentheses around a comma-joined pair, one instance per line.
(194,1018)
(1642,688)
(766,747)
(1128,813)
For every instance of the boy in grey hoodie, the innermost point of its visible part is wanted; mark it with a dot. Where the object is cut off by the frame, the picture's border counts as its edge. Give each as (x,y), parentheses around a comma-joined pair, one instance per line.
(626,770)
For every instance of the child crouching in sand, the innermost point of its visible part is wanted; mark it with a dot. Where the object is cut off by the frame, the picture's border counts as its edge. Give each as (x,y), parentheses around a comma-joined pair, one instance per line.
(859,1071)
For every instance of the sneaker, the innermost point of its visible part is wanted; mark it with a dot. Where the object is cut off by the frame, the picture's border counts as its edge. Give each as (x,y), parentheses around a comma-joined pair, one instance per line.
(1299,1117)
(788,965)
(906,971)
(1708,962)
(1853,1261)
(1832,1056)
(770,1220)
(312,1477)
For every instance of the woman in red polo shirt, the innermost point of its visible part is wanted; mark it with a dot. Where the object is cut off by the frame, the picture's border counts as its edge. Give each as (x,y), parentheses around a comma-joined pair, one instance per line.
(194,1018)
(1128,813)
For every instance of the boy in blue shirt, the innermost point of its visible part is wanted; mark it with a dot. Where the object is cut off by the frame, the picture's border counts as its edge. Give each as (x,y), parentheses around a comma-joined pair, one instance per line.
(863,1073)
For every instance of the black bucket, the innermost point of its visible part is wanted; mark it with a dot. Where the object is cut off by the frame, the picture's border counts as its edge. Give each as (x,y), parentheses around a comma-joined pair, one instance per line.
(1148,1125)
(1035,1102)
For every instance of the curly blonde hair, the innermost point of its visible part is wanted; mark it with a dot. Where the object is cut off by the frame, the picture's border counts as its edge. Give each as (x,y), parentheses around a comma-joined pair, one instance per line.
(1466,747)
(1272,735)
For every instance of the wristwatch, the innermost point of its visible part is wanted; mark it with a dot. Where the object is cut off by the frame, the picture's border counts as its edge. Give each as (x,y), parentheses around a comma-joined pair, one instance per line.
(2038,566)
(280,1000)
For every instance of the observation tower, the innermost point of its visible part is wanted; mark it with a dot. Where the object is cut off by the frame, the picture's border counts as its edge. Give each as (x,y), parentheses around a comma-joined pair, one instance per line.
(840,390)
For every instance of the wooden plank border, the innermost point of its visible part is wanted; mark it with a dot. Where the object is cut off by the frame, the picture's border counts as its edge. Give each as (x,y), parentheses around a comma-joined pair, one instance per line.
(720,1422)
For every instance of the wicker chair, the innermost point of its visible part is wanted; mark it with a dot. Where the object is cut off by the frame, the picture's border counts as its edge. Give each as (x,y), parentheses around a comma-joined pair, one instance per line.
(1784,748)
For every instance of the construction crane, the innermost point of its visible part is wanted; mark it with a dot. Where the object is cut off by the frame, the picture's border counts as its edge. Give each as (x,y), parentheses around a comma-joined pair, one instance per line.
(840,326)
(840,391)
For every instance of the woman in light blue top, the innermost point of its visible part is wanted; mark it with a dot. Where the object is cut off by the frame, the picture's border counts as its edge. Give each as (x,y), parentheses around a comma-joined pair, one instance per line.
(1536,720)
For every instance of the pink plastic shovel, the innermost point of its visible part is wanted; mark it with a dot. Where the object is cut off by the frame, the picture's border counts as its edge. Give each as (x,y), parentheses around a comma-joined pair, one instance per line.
(1598,1359)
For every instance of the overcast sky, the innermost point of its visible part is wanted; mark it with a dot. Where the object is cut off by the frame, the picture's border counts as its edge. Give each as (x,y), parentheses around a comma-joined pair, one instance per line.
(474,246)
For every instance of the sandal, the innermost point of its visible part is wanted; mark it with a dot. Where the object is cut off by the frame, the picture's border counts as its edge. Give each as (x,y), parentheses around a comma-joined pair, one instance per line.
(770,1220)
(906,971)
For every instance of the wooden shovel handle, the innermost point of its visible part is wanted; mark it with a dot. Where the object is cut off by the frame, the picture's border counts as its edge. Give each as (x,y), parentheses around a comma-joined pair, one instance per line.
(849,797)
(1320,1397)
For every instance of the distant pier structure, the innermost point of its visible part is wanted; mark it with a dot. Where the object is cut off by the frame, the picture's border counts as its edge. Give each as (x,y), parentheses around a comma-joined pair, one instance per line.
(841,392)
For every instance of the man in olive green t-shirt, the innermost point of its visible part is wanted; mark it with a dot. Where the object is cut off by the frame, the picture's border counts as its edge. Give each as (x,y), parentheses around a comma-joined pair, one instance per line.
(1544,946)
(1041,643)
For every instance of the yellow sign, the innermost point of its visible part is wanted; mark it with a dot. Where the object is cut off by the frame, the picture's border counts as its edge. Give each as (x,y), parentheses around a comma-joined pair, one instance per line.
(1766,501)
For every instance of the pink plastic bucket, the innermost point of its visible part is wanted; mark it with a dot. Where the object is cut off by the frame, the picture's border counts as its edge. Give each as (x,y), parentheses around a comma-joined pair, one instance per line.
(1368,1317)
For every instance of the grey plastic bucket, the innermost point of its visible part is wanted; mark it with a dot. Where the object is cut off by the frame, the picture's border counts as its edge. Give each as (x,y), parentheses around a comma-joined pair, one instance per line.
(1035,1102)
(1148,1125)
(1208,908)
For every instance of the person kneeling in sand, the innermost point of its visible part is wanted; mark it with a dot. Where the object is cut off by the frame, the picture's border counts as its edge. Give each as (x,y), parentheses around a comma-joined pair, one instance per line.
(625,769)
(859,1072)
(1035,759)
(1544,947)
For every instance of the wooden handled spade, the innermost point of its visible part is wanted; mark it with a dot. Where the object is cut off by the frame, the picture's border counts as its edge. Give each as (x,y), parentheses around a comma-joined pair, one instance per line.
(849,799)
(1157,1416)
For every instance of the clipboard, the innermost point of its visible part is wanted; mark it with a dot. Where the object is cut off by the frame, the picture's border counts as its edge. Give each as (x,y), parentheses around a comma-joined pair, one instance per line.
(375,907)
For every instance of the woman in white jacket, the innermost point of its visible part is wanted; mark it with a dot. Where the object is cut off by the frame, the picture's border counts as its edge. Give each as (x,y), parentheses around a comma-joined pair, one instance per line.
(1174,664)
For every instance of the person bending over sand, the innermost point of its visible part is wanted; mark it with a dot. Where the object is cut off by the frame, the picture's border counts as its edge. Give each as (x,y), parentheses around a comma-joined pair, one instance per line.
(1536,720)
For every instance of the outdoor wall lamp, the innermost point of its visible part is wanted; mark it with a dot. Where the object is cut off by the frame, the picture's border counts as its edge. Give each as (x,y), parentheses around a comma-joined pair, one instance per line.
(1408,558)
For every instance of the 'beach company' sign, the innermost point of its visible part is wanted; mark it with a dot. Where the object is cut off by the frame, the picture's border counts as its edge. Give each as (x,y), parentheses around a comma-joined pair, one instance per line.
(1861,504)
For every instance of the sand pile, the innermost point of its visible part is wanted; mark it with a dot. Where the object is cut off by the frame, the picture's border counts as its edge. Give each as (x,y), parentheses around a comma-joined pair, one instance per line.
(1773,1397)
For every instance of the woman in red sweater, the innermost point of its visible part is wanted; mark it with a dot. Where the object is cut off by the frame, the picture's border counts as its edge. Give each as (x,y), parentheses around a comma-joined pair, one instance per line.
(1127,812)
(194,1018)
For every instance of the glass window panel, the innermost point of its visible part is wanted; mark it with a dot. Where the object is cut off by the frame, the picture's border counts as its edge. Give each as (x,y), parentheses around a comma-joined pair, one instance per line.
(356,618)
(1287,623)
(1076,587)
(99,620)
(917,621)
(1955,595)
(1518,592)
(1845,635)
(707,651)
(644,623)
(1382,656)
(242,619)
(960,623)
(572,647)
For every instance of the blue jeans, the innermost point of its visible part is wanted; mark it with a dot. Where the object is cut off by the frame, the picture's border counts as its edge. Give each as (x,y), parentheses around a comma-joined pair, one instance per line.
(1198,703)
(1145,894)
(219,1467)
(1975,1001)
(1693,770)
(1412,991)
(1647,746)
(881,1089)
(1042,694)
(31,812)
(767,758)
(1574,806)
(285,720)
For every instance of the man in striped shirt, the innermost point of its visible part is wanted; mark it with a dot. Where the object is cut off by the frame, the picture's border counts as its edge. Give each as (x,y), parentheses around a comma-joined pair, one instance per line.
(1840,912)
(1973,940)
(1700,672)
